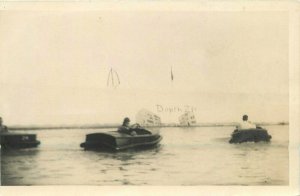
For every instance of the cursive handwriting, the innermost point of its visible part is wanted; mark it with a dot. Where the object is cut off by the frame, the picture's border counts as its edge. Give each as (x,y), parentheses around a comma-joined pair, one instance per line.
(173,109)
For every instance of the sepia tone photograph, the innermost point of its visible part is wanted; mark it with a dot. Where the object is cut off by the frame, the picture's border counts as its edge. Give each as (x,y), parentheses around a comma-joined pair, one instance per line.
(129,97)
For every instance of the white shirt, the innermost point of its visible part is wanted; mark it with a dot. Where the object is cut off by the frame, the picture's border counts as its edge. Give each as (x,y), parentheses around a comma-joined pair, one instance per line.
(246,125)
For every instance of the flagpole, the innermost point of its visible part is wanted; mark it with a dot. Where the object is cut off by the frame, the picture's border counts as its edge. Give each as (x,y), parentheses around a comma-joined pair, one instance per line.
(172,77)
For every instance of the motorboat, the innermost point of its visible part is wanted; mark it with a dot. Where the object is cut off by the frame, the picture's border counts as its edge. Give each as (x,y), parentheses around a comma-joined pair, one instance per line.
(18,140)
(250,135)
(117,141)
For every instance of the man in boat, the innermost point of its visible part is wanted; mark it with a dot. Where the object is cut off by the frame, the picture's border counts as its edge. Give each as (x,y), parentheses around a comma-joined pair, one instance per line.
(3,128)
(126,128)
(245,124)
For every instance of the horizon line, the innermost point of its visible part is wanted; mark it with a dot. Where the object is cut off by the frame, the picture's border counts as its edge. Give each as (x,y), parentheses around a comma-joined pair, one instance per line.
(115,125)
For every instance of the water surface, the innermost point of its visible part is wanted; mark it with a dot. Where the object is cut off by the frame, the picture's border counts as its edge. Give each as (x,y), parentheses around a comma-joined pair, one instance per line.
(186,156)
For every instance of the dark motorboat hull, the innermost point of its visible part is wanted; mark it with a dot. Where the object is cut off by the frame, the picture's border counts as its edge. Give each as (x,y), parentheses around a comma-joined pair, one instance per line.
(18,140)
(250,135)
(119,141)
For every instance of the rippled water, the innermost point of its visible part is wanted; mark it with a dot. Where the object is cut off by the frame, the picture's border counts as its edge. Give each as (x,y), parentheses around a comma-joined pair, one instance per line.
(186,156)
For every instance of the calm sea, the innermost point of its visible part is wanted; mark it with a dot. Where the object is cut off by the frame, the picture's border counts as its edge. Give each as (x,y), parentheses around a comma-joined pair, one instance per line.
(186,156)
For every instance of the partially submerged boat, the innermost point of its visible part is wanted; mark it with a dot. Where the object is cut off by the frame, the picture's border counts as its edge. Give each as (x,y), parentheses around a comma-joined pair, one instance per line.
(250,135)
(18,140)
(117,141)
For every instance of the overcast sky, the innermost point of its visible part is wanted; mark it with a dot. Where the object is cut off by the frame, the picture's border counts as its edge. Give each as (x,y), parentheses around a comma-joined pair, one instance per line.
(54,65)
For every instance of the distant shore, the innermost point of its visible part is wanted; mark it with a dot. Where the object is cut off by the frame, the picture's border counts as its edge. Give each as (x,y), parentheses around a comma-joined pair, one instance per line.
(103,126)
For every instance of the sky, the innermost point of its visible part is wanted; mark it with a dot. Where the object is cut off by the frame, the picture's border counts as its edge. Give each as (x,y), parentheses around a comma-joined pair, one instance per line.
(54,65)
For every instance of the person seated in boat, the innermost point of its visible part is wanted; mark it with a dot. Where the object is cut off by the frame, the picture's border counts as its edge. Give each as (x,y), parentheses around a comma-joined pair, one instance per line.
(126,128)
(3,128)
(245,124)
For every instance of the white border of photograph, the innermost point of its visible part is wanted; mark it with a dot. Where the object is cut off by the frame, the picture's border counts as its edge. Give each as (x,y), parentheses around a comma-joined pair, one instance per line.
(293,7)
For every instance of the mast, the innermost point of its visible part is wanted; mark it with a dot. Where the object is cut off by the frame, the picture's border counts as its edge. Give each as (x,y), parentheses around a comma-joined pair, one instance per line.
(117,77)
(110,78)
(109,73)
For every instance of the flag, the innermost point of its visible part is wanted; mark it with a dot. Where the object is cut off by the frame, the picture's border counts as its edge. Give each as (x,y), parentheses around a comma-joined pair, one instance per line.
(172,77)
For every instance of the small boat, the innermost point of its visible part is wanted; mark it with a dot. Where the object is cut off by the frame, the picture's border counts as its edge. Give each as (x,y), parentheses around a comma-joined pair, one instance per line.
(250,135)
(117,141)
(18,140)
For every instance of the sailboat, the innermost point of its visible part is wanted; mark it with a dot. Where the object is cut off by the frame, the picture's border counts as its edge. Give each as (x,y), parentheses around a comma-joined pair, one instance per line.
(113,78)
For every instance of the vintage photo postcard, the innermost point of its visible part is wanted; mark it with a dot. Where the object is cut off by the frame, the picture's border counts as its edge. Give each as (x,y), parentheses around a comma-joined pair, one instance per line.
(150,98)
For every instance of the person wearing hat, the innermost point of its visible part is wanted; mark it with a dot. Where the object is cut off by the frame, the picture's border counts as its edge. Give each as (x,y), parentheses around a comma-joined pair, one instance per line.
(3,128)
(245,124)
(125,128)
